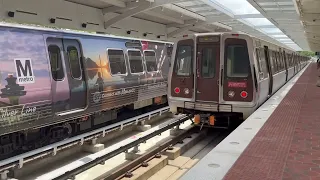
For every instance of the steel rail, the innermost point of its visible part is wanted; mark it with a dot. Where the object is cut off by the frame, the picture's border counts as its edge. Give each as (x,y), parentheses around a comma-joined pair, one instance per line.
(70,174)
(52,149)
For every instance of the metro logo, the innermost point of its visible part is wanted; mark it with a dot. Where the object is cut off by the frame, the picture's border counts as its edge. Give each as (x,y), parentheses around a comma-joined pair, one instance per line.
(237,84)
(24,71)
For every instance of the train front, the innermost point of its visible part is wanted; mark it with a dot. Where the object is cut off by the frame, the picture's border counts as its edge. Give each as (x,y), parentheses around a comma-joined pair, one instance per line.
(212,79)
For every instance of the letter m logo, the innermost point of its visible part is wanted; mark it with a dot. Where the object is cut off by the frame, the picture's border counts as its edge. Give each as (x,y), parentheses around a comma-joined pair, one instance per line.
(24,70)
(23,67)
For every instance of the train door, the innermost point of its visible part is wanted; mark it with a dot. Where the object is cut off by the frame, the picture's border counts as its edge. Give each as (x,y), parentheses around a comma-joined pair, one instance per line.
(74,65)
(68,85)
(208,68)
(269,67)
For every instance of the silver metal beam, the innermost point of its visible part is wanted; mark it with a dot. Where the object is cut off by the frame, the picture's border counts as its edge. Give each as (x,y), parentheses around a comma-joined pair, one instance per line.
(138,9)
(185,28)
(184,11)
(117,3)
(218,7)
(188,27)
(162,16)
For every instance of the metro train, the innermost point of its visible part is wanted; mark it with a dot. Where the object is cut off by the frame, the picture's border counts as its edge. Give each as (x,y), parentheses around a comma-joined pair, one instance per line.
(217,77)
(55,83)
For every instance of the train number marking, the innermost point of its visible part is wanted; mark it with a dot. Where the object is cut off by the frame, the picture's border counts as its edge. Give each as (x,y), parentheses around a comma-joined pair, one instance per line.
(24,71)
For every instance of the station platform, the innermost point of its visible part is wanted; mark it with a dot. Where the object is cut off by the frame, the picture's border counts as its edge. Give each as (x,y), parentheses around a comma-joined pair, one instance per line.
(280,141)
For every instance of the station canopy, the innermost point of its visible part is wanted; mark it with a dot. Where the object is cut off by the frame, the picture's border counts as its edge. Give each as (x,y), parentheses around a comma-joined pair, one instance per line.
(277,21)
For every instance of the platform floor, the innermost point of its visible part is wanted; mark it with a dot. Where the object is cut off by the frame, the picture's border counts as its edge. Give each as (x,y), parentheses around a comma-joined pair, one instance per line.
(288,145)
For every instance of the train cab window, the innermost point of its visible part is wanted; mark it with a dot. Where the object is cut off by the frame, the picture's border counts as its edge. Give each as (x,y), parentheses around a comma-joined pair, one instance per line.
(237,58)
(56,63)
(151,60)
(135,60)
(117,61)
(184,60)
(208,62)
(74,61)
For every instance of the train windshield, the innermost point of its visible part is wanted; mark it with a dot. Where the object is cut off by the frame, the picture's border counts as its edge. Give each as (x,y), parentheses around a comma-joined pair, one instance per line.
(237,58)
(184,56)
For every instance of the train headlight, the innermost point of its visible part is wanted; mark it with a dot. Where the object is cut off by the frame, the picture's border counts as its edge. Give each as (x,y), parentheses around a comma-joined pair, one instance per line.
(231,94)
(186,91)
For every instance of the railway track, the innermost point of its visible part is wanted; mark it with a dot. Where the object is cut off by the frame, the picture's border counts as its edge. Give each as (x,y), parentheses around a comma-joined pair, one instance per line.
(172,158)
(161,149)
(18,162)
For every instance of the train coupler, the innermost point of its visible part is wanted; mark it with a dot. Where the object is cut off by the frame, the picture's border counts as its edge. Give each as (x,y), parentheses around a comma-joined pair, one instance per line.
(204,119)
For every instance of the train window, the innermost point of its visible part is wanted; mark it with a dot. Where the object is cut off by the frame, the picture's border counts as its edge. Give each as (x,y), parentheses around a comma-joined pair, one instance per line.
(237,58)
(117,61)
(151,60)
(277,61)
(280,61)
(258,59)
(56,63)
(272,64)
(74,62)
(275,64)
(208,62)
(291,60)
(263,62)
(169,51)
(135,60)
(184,60)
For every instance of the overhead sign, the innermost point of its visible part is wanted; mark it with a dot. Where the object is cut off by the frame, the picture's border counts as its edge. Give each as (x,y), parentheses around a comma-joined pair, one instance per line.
(24,71)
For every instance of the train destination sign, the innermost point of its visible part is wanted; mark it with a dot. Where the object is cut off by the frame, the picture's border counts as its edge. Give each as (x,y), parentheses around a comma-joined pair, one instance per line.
(237,84)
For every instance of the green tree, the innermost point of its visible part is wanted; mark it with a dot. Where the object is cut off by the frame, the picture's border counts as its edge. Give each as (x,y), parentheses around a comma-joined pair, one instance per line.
(306,53)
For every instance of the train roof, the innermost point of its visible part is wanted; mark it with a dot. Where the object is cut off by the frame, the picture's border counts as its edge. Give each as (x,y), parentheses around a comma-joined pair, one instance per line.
(220,33)
(74,32)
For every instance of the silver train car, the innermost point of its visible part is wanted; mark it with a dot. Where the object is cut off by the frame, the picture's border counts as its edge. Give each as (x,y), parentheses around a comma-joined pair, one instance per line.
(221,76)
(55,83)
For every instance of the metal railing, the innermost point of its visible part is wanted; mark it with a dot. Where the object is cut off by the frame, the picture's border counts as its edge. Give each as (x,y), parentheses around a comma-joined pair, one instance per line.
(52,149)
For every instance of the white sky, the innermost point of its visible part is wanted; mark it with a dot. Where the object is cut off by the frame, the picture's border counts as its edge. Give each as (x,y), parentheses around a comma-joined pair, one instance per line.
(241,7)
